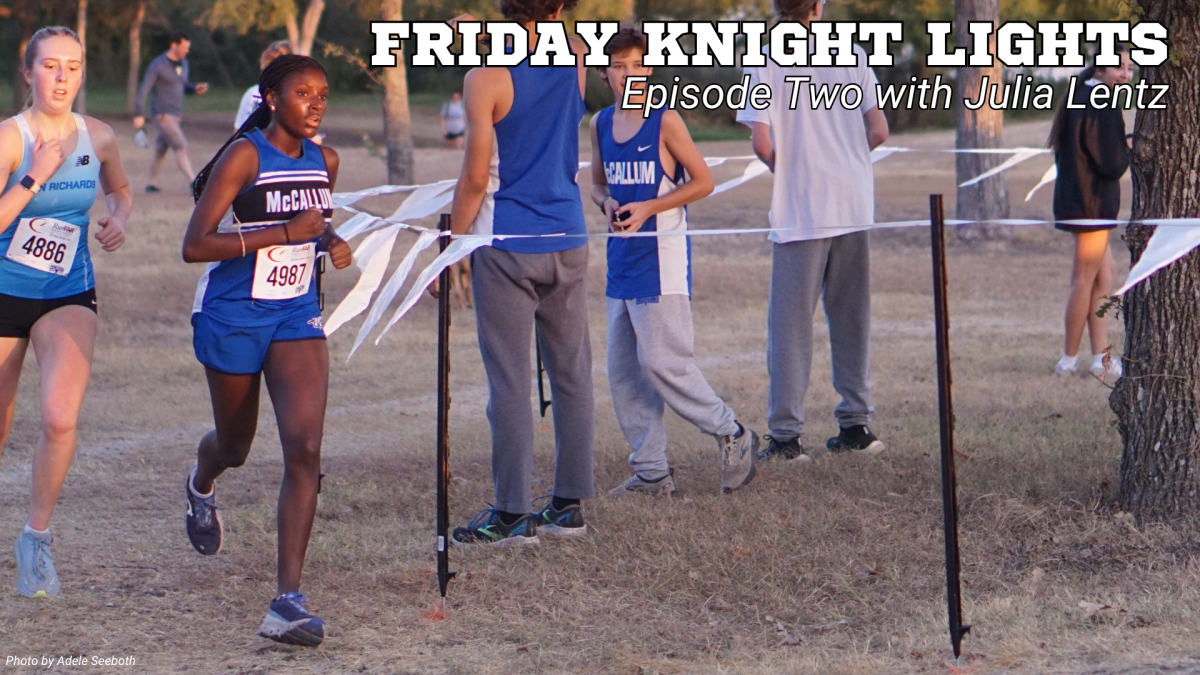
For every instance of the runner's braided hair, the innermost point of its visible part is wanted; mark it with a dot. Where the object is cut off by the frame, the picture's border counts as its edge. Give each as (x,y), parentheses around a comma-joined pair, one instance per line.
(272,78)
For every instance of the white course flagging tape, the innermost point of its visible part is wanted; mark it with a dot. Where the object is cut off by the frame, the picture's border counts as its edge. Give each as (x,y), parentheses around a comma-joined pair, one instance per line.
(373,254)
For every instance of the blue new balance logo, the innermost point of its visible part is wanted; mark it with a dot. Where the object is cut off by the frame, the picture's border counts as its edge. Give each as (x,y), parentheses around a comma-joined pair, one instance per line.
(83,160)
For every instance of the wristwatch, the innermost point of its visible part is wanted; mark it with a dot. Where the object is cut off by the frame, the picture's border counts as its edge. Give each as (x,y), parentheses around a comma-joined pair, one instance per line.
(30,184)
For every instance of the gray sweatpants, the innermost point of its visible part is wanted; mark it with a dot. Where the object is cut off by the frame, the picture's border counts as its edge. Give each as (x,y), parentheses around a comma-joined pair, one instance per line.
(651,361)
(512,291)
(837,269)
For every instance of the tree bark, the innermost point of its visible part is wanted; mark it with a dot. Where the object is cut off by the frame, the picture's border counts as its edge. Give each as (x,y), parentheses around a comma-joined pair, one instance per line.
(135,57)
(293,31)
(308,27)
(1157,402)
(983,128)
(397,121)
(81,31)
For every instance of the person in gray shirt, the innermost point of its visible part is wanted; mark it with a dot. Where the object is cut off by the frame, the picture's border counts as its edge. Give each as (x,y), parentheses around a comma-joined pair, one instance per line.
(166,81)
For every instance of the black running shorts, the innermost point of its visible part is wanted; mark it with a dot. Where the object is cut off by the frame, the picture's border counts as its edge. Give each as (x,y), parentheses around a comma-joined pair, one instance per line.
(17,315)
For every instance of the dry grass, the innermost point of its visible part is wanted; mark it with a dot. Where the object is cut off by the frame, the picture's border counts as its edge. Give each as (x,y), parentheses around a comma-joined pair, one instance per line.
(844,554)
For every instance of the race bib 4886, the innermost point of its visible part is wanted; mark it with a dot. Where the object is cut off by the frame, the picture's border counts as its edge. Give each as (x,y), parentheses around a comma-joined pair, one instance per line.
(283,272)
(45,244)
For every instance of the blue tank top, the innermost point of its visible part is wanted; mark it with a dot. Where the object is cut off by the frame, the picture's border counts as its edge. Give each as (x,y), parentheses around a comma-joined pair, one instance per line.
(644,267)
(537,146)
(284,187)
(67,196)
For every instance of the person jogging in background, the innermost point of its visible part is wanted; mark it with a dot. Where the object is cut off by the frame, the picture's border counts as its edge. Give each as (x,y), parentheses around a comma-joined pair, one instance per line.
(518,177)
(1091,153)
(166,80)
(821,209)
(252,97)
(262,214)
(644,173)
(51,163)
(454,121)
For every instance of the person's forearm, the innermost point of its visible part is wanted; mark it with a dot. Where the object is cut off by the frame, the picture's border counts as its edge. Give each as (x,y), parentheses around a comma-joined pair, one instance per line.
(600,194)
(219,246)
(691,191)
(12,202)
(120,203)
(468,199)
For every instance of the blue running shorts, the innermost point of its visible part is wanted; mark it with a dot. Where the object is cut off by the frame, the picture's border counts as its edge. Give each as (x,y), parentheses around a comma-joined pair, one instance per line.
(241,350)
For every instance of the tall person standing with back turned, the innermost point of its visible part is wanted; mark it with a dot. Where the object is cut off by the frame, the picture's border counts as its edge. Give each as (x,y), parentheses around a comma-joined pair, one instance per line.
(821,210)
(51,162)
(262,214)
(518,177)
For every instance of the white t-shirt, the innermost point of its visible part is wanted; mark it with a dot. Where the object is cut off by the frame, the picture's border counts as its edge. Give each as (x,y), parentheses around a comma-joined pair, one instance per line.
(250,101)
(824,184)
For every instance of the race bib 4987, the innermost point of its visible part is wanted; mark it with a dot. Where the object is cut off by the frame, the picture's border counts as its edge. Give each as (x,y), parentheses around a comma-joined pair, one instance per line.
(45,244)
(283,272)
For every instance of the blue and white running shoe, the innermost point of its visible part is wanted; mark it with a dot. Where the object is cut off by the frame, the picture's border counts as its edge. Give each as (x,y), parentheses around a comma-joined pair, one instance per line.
(36,577)
(289,622)
(203,521)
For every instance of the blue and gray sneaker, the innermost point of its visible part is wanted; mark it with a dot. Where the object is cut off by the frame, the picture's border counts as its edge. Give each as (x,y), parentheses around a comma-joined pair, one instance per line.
(203,521)
(289,622)
(36,577)
(565,522)
(487,528)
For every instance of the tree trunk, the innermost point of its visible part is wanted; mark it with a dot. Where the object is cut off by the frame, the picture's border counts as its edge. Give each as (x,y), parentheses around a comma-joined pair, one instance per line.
(983,128)
(135,57)
(20,90)
(308,27)
(210,45)
(1157,402)
(293,31)
(81,31)
(397,122)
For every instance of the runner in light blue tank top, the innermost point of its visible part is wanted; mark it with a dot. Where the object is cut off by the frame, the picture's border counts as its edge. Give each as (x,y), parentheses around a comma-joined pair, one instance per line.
(67,196)
(52,164)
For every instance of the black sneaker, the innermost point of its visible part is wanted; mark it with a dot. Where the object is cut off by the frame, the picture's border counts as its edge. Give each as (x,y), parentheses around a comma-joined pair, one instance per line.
(567,522)
(784,451)
(203,521)
(152,189)
(487,528)
(289,622)
(857,439)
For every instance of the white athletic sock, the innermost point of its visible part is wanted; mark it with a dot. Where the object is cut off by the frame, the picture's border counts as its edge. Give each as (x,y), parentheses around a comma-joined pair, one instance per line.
(40,533)
(1068,362)
(1098,361)
(192,486)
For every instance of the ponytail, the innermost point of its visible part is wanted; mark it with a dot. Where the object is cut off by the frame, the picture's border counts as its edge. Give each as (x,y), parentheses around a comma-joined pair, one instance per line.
(271,79)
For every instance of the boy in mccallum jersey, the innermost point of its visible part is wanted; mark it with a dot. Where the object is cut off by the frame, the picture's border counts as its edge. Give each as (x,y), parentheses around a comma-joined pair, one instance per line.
(47,284)
(260,222)
(518,177)
(644,172)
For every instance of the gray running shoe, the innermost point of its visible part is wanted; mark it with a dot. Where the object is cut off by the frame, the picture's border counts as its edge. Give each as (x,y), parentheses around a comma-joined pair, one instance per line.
(635,484)
(203,521)
(737,459)
(36,577)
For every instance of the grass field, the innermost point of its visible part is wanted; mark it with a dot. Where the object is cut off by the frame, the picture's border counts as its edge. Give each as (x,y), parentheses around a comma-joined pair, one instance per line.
(842,556)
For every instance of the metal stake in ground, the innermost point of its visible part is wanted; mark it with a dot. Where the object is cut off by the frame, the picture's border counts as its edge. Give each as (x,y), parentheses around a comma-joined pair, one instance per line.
(941,312)
(443,421)
(541,370)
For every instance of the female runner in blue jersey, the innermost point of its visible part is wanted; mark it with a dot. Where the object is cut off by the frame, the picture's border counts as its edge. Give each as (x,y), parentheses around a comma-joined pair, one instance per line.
(51,162)
(262,216)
